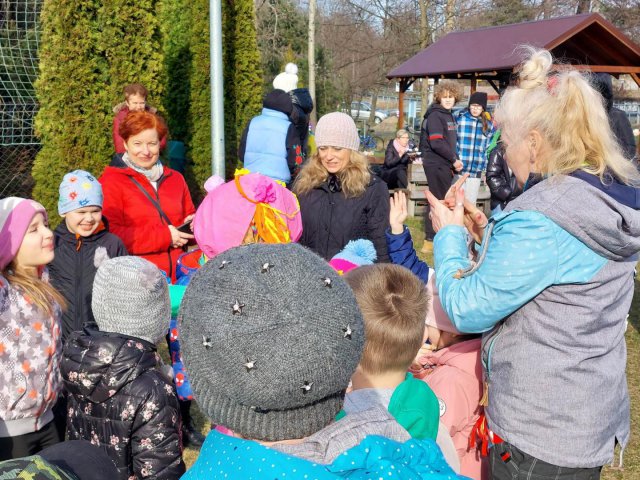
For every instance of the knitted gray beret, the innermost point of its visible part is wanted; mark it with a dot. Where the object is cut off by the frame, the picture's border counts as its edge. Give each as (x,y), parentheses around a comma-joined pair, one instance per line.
(130,296)
(271,335)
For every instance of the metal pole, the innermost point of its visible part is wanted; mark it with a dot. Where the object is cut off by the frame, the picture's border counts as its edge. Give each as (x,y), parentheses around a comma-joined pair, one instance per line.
(217,98)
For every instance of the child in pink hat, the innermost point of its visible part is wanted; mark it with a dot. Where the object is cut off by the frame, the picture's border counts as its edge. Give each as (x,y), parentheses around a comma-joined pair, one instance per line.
(251,208)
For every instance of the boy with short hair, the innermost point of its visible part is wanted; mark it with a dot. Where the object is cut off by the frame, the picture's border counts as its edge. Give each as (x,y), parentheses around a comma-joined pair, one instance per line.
(82,243)
(393,303)
(270,337)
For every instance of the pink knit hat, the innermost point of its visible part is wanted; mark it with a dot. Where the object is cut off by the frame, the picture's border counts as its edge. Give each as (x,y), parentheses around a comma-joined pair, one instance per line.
(337,129)
(15,216)
(225,215)
(436,316)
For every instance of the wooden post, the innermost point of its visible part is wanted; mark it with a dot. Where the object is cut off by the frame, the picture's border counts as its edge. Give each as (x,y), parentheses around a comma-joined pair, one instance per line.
(474,84)
(402,88)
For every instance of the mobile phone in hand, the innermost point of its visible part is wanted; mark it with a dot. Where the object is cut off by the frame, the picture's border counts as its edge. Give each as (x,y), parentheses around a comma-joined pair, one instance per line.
(185,227)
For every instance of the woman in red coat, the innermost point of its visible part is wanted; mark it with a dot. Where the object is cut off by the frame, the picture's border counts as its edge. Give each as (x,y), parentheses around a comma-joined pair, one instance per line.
(144,201)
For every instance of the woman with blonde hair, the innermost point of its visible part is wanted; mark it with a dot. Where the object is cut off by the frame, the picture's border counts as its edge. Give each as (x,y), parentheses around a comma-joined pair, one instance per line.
(553,281)
(340,200)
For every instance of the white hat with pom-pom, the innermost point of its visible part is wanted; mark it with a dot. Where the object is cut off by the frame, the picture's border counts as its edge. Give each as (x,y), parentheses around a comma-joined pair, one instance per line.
(287,80)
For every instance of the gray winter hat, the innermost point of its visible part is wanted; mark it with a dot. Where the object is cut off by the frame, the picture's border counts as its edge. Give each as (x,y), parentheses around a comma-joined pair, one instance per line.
(130,296)
(270,336)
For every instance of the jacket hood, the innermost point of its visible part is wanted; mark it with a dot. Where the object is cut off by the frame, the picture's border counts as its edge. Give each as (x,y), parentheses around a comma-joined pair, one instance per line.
(605,217)
(302,98)
(436,107)
(123,105)
(411,460)
(327,444)
(97,365)
(464,356)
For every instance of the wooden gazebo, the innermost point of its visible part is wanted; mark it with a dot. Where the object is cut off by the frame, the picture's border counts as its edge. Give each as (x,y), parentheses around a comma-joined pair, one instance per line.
(586,41)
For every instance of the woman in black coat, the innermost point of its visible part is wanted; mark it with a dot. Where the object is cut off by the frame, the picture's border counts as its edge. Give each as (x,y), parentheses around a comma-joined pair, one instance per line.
(396,159)
(339,198)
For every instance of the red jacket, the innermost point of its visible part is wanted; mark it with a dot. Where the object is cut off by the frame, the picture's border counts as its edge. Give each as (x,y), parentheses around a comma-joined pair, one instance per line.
(121,111)
(137,222)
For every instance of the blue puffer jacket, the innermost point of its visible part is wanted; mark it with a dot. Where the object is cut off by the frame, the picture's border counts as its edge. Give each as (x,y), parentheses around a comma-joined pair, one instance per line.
(228,457)
(268,145)
(401,252)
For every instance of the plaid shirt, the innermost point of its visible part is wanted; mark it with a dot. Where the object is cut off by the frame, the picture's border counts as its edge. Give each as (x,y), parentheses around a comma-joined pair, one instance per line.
(472,142)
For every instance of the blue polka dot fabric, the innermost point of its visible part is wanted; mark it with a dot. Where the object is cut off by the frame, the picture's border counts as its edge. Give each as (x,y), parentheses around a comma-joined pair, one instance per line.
(225,457)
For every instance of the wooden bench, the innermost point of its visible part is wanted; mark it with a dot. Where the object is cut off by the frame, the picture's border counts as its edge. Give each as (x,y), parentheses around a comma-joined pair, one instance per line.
(418,184)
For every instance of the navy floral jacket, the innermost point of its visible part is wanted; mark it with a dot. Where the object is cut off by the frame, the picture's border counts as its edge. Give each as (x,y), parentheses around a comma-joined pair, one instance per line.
(120,399)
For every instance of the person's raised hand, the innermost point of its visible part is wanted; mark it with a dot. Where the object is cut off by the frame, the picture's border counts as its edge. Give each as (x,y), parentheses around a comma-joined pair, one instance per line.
(178,238)
(397,212)
(441,215)
(450,197)
(457,166)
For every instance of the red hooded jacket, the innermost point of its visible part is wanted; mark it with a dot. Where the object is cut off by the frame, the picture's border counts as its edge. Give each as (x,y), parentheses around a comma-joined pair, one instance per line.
(134,219)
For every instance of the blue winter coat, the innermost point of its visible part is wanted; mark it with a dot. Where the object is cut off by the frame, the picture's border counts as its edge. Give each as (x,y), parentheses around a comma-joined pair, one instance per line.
(231,458)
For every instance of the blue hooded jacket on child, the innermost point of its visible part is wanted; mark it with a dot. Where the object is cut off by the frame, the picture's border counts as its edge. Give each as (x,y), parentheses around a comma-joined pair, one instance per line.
(228,457)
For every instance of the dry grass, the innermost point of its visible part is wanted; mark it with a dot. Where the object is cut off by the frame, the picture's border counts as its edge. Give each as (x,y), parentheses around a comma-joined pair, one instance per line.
(632,453)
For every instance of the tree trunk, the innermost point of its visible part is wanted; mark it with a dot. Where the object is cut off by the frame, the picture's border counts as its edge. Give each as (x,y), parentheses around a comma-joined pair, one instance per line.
(584,6)
(449,9)
(312,59)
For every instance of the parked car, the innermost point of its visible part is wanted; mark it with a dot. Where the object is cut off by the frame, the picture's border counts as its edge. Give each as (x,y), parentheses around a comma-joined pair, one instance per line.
(362,111)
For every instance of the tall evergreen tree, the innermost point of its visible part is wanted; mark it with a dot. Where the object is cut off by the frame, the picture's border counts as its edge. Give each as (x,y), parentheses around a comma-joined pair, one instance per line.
(89,50)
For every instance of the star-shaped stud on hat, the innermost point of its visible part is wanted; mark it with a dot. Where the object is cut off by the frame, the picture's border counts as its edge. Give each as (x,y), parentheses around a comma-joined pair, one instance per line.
(347,331)
(250,364)
(306,386)
(206,341)
(266,267)
(237,307)
(224,264)
(327,282)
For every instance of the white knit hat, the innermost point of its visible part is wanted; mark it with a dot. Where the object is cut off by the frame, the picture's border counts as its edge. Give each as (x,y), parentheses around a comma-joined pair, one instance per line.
(131,297)
(337,129)
(287,80)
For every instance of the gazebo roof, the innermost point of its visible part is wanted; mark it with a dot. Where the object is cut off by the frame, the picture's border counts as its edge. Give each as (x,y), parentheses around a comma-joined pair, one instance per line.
(587,40)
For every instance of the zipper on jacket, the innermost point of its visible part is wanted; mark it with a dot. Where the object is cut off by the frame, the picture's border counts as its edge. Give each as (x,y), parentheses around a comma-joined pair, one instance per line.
(331,202)
(79,303)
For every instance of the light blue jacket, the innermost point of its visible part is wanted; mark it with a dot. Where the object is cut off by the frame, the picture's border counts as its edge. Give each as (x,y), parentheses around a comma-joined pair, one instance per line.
(553,287)
(266,148)
(232,458)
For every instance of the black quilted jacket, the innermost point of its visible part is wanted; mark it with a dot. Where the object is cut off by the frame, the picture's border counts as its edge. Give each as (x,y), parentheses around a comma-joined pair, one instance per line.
(119,399)
(330,220)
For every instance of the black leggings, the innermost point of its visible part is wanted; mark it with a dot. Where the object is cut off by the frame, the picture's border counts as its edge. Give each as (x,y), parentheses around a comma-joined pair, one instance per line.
(439,178)
(29,443)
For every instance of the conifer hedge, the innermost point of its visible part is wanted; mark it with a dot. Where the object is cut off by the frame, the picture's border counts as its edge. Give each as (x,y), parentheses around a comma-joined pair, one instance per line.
(89,50)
